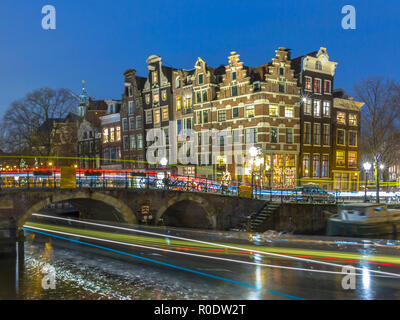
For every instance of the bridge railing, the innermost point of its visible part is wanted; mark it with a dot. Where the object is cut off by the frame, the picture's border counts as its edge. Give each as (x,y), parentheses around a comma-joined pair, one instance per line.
(104,179)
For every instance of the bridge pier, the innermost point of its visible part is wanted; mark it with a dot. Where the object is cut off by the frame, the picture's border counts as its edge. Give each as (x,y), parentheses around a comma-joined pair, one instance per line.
(11,260)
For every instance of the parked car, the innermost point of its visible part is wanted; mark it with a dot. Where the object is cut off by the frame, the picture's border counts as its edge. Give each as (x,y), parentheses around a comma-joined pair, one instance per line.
(312,193)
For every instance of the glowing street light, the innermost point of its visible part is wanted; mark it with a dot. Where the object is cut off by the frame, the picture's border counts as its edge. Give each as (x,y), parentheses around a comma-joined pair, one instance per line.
(367,167)
(164,161)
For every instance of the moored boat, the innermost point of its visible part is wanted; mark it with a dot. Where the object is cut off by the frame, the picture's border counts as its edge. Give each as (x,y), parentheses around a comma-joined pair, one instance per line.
(363,220)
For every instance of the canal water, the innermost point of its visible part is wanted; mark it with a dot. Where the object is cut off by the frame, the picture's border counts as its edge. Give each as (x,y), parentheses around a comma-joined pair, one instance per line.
(83,273)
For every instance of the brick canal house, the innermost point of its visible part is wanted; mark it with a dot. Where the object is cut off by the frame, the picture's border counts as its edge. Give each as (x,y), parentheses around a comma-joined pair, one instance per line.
(346,131)
(183,96)
(159,104)
(89,131)
(131,114)
(254,106)
(315,74)
(111,136)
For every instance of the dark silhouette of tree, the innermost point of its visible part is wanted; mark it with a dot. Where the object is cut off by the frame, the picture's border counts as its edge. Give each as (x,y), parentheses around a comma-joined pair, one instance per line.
(380,125)
(29,123)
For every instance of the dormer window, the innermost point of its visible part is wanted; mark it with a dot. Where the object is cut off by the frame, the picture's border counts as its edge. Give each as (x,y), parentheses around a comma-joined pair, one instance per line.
(233,75)
(178,82)
(281,71)
(200,78)
(318,65)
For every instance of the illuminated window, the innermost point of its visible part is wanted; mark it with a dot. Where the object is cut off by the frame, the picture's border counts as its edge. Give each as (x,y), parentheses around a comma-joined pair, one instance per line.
(341,138)
(307,106)
(118,134)
(188,102)
(317,85)
(325,166)
(164,95)
(340,158)
(326,109)
(112,134)
(341,117)
(155,77)
(105,135)
(289,112)
(352,119)
(316,159)
(156,98)
(306,165)
(274,111)
(178,103)
(147,98)
(157,116)
(165,113)
(250,112)
(307,83)
(352,158)
(317,108)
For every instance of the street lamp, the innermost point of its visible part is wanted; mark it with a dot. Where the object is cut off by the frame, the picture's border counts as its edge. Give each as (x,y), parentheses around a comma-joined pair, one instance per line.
(164,162)
(367,167)
(253,153)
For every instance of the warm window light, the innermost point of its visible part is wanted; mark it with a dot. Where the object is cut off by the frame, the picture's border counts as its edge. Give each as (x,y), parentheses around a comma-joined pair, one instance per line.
(76,166)
(50,163)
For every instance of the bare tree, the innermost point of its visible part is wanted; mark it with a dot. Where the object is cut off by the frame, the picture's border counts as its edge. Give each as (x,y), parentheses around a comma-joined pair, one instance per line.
(29,123)
(380,126)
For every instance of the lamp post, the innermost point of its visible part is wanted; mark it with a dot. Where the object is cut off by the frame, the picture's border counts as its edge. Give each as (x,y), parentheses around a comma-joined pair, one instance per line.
(253,153)
(367,167)
(164,162)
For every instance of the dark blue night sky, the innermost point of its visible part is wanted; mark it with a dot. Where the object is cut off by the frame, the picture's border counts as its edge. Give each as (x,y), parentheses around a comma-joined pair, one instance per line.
(98,40)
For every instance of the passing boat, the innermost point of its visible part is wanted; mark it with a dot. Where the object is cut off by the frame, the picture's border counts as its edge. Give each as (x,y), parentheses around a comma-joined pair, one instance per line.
(363,220)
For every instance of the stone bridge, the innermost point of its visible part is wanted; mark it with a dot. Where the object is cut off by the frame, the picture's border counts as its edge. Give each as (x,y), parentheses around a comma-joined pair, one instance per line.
(176,208)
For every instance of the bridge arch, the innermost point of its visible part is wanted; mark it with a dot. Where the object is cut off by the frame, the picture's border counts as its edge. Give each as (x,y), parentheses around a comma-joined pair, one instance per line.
(196,208)
(125,211)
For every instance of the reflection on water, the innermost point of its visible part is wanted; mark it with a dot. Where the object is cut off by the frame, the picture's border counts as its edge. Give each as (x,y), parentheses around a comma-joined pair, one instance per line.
(84,275)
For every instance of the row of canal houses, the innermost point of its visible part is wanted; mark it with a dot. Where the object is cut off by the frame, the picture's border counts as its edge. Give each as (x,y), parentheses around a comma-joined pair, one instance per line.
(304,131)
